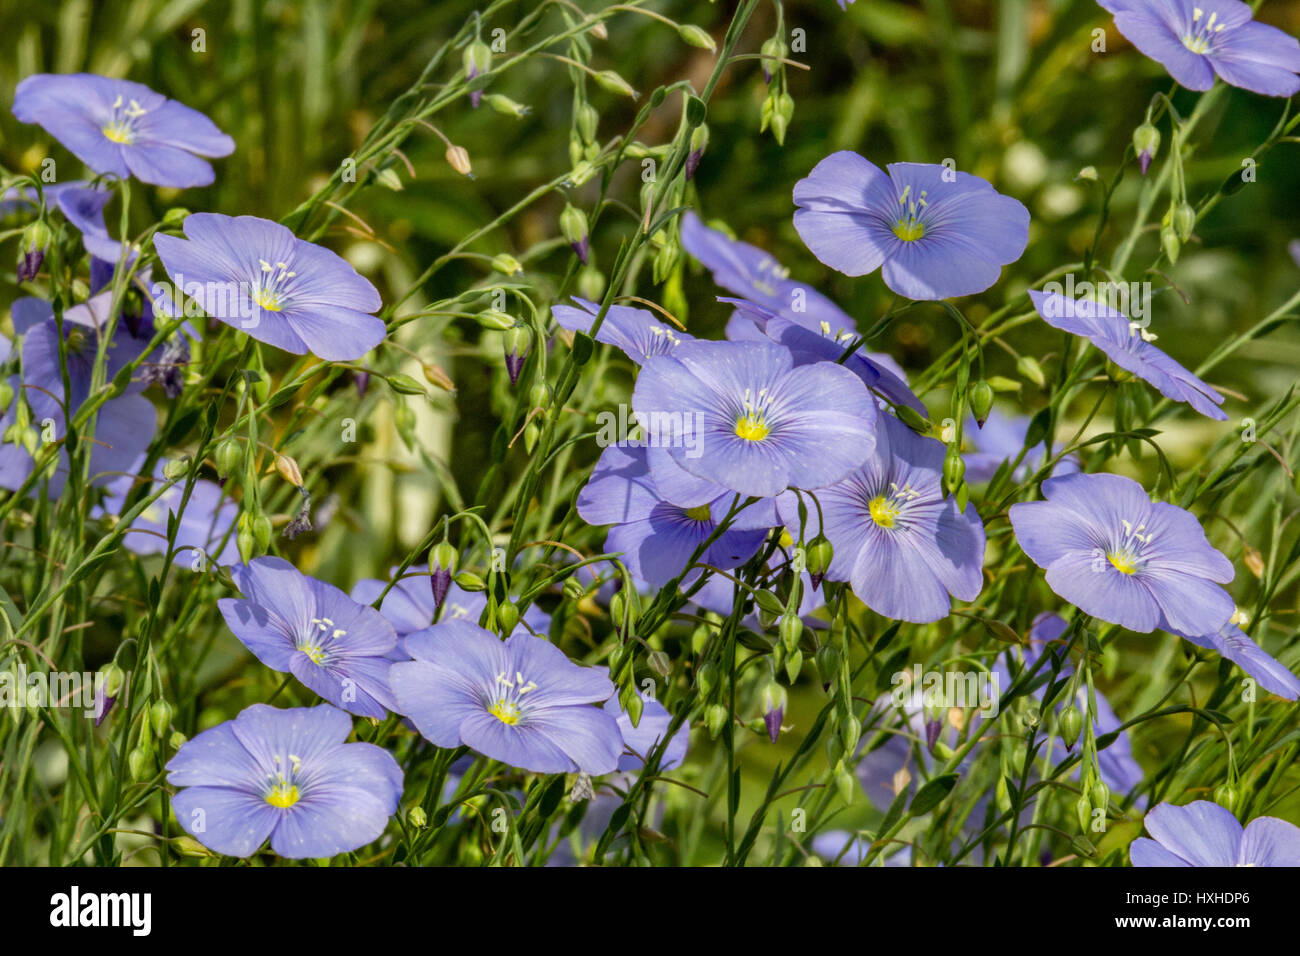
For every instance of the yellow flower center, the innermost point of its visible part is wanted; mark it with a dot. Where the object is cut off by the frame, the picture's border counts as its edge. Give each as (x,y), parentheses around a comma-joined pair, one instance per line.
(118,133)
(1199,42)
(283,794)
(1122,562)
(505,712)
(884,511)
(751,428)
(699,513)
(908,226)
(314,653)
(267,300)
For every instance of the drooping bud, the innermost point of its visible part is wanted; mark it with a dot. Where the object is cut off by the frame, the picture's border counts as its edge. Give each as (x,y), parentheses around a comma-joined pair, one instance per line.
(1170,243)
(981,401)
(772,51)
(478,60)
(954,469)
(506,264)
(175,468)
(932,728)
(507,617)
(609,80)
(699,143)
(140,763)
(517,342)
(417,818)
(288,469)
(469,581)
(790,630)
(458,158)
(506,106)
(696,36)
(587,121)
(845,783)
(774,701)
(706,677)
(31,250)
(573,225)
(1184,220)
(817,559)
(1070,724)
(1225,795)
(436,376)
(1083,812)
(715,718)
(442,565)
(828,664)
(495,320)
(1146,142)
(160,716)
(793,665)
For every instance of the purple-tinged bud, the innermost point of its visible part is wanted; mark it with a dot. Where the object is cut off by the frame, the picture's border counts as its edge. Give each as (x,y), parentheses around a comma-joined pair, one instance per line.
(932,728)
(774,701)
(981,401)
(362,381)
(477,59)
(517,342)
(442,565)
(1146,142)
(573,225)
(699,143)
(773,50)
(817,559)
(31,250)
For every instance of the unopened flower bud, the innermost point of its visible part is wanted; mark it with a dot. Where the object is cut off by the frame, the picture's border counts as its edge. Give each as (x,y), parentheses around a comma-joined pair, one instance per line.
(288,469)
(160,716)
(981,401)
(458,158)
(828,664)
(1184,219)
(696,36)
(507,617)
(1225,795)
(609,80)
(1070,724)
(516,343)
(587,121)
(573,589)
(417,818)
(772,51)
(31,250)
(1146,142)
(229,457)
(506,264)
(793,664)
(469,581)
(1170,243)
(1030,369)
(573,225)
(495,320)
(954,468)
(774,701)
(140,764)
(790,630)
(442,565)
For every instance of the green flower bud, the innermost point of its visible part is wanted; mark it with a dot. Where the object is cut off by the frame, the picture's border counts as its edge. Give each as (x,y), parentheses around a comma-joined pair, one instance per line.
(140,765)
(477,58)
(850,732)
(845,784)
(229,456)
(981,401)
(573,589)
(790,630)
(262,531)
(587,120)
(1225,795)
(6,395)
(417,818)
(175,217)
(507,617)
(403,384)
(611,81)
(591,283)
(495,321)
(506,106)
(1184,220)
(113,679)
(175,468)
(828,664)
(1146,143)
(696,36)
(1170,243)
(1099,795)
(1083,812)
(818,555)
(914,420)
(715,718)
(506,264)
(177,740)
(1070,724)
(954,468)
(706,677)
(160,716)
(469,581)
(793,665)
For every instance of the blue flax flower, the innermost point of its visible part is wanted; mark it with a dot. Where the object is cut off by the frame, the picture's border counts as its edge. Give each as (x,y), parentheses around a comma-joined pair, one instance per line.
(122,128)
(522,702)
(286,775)
(636,333)
(902,544)
(1234,644)
(1205,834)
(655,537)
(741,415)
(935,233)
(1114,553)
(1128,346)
(204,532)
(1196,39)
(297,625)
(258,276)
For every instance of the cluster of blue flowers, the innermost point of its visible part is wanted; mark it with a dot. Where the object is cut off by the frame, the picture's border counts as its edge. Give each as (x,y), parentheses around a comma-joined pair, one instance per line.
(788,442)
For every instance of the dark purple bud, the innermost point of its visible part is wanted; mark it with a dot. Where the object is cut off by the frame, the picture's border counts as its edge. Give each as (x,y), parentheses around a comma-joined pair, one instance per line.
(29,264)
(515,365)
(1144,160)
(103,704)
(440,580)
(582,248)
(362,381)
(932,728)
(692,164)
(772,719)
